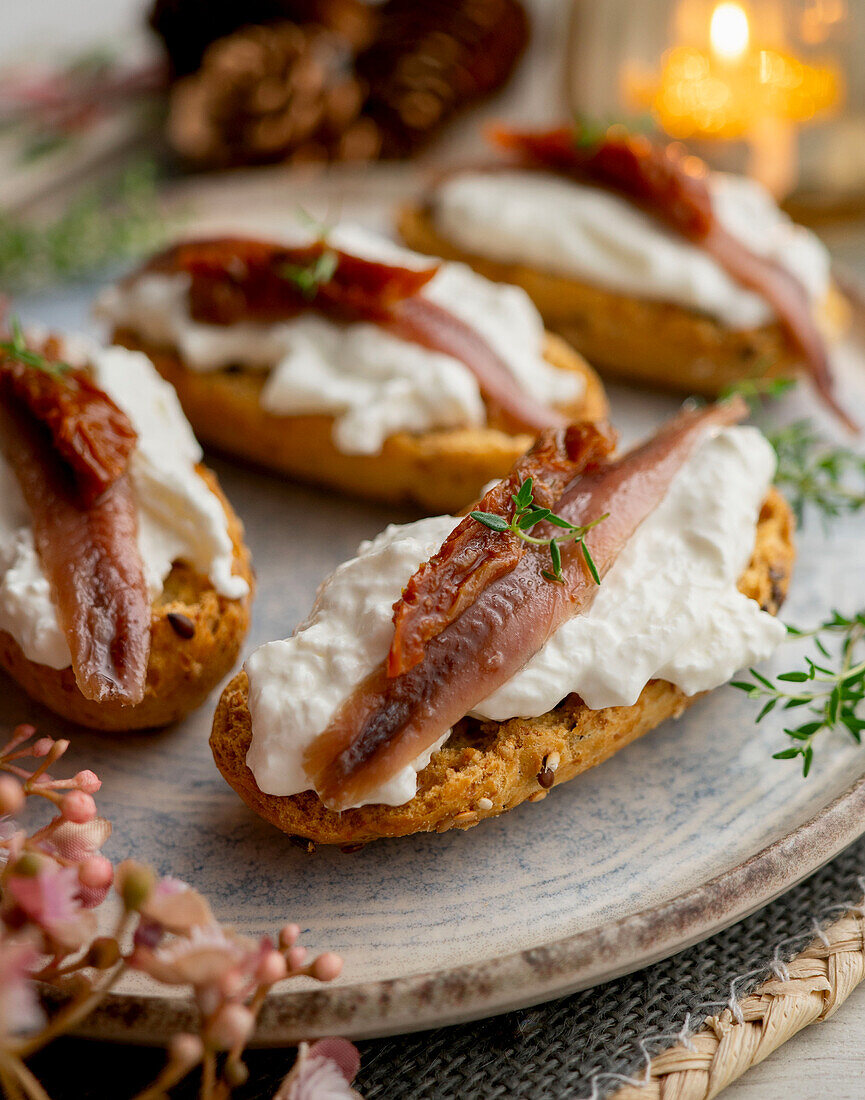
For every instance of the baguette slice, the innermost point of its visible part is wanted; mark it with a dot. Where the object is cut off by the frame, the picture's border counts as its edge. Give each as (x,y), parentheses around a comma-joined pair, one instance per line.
(496,761)
(182,671)
(638,339)
(438,471)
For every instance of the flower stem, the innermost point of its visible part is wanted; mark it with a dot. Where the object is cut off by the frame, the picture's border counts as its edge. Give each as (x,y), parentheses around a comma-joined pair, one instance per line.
(208,1076)
(71,1015)
(28,1082)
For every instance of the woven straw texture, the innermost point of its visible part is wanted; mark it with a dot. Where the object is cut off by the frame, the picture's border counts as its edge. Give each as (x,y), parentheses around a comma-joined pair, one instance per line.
(593,1043)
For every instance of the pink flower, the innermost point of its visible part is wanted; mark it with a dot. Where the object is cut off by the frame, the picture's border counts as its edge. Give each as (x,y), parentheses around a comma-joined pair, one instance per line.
(50,900)
(176,907)
(323,1071)
(19,1006)
(208,956)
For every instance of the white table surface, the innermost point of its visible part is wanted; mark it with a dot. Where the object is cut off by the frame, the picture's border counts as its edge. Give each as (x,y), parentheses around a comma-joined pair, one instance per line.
(825,1059)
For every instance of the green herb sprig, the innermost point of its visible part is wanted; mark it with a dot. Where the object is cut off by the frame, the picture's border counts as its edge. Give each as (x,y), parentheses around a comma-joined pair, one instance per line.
(309,278)
(527,514)
(118,220)
(832,688)
(811,471)
(17,349)
(591,131)
(755,390)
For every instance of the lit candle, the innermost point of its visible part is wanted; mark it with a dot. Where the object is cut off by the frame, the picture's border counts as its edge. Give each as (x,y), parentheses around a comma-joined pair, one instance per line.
(734,87)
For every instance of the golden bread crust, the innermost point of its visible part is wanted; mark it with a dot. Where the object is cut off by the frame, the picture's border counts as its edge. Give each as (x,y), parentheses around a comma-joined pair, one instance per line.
(496,761)
(438,471)
(181,671)
(637,339)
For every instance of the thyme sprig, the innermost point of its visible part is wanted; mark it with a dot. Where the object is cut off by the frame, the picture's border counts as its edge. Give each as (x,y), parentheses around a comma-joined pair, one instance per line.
(813,472)
(116,220)
(309,278)
(16,348)
(527,514)
(832,688)
(755,390)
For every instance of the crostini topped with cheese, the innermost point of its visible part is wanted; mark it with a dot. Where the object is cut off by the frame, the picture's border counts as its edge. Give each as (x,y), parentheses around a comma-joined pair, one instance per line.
(345,359)
(584,600)
(113,539)
(653,266)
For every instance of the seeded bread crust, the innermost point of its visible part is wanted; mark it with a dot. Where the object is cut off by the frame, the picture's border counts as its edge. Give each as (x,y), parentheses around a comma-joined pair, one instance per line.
(499,762)
(439,471)
(181,672)
(637,339)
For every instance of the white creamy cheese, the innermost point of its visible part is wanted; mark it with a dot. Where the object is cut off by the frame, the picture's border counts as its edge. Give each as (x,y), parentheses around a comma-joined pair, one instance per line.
(178,515)
(668,608)
(583,232)
(372,383)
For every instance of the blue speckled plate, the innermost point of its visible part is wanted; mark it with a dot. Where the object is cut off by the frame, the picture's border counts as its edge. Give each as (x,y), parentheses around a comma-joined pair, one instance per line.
(679,835)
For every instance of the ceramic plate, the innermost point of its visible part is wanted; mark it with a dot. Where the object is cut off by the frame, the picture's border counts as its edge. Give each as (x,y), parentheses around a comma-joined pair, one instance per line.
(677,836)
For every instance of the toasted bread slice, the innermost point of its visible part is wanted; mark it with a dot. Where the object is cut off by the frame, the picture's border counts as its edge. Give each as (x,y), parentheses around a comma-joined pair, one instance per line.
(638,339)
(486,767)
(439,471)
(182,670)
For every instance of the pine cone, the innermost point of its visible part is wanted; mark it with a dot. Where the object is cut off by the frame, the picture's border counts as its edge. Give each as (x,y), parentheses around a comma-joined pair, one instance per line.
(269,94)
(433,59)
(187,27)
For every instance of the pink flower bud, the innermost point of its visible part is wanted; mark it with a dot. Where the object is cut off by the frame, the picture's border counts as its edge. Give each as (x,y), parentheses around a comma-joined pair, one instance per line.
(296,957)
(96,872)
(134,883)
(186,1049)
(78,807)
(272,968)
(11,795)
(231,1026)
(88,781)
(42,747)
(288,935)
(326,967)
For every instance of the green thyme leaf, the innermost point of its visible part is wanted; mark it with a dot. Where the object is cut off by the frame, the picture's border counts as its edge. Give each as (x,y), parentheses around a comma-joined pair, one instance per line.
(17,349)
(489,519)
(556,559)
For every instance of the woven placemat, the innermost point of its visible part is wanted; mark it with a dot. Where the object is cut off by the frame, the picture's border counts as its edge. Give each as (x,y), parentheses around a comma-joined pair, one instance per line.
(586,1045)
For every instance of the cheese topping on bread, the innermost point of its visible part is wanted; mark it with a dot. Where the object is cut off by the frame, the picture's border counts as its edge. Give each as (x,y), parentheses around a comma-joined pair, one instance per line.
(179,517)
(669,608)
(578,231)
(373,384)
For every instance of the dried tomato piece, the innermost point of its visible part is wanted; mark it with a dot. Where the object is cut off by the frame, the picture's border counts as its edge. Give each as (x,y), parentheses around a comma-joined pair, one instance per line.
(235,279)
(89,432)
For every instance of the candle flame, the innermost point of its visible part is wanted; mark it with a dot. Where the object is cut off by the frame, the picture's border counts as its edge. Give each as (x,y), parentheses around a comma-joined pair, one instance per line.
(729,32)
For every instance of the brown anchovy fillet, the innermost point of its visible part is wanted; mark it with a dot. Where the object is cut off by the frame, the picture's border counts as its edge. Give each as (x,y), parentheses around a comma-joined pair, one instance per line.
(473,556)
(87,428)
(387,722)
(238,279)
(90,554)
(424,322)
(672,187)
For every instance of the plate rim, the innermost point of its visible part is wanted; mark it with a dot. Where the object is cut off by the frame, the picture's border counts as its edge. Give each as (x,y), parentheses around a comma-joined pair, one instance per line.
(519,979)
